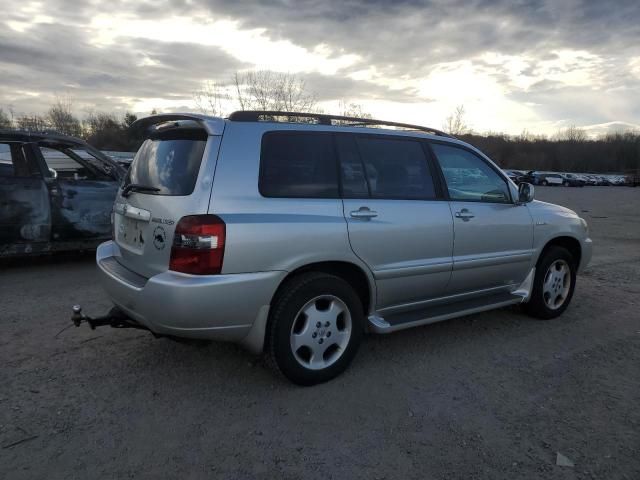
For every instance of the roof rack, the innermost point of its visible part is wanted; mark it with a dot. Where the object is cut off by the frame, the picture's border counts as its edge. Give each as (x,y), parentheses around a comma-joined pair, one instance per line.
(324,119)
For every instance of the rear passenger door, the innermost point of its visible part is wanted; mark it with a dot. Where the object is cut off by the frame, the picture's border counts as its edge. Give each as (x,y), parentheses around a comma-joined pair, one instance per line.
(398,223)
(493,235)
(25,219)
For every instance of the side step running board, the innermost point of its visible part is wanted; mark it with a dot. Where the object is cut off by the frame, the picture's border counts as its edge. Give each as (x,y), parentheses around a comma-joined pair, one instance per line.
(401,321)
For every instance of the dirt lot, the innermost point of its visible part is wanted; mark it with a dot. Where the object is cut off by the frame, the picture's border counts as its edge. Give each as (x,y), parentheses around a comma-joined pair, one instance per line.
(494,395)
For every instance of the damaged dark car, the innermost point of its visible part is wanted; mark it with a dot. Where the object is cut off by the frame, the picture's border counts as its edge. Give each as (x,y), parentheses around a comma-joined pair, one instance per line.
(56,193)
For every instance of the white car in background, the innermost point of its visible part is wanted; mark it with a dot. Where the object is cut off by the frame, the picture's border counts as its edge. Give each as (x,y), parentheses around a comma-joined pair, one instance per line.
(554,179)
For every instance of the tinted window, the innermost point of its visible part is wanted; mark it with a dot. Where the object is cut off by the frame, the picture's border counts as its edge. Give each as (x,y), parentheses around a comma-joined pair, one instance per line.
(395,168)
(298,165)
(170,162)
(469,177)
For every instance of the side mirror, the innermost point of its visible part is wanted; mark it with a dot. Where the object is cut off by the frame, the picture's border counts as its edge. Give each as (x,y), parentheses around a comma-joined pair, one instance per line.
(525,193)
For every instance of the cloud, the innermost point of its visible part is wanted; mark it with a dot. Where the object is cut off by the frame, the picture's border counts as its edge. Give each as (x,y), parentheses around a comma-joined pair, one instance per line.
(58,60)
(515,64)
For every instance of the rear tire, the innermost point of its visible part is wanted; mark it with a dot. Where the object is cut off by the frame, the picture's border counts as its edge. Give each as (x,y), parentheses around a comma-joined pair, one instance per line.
(544,183)
(315,328)
(553,285)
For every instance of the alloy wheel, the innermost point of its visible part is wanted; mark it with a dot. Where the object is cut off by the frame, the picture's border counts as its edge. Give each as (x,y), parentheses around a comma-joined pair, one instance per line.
(557,284)
(321,332)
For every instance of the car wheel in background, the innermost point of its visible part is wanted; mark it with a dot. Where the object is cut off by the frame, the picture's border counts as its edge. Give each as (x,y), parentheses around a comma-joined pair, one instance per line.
(565,183)
(315,328)
(544,183)
(553,285)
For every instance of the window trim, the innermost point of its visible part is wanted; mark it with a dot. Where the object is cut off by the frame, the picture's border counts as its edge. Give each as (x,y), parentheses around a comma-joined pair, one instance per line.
(430,167)
(299,132)
(473,152)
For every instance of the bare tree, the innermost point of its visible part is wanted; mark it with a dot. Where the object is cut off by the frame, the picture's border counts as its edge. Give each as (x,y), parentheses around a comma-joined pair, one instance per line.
(210,98)
(352,109)
(572,134)
(455,123)
(5,119)
(97,122)
(61,118)
(128,120)
(107,131)
(33,123)
(268,90)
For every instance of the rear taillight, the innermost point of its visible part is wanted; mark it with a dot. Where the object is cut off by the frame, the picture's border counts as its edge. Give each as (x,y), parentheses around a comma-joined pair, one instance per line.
(198,245)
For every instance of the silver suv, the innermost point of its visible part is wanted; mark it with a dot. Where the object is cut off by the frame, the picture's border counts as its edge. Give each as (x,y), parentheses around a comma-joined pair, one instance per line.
(295,234)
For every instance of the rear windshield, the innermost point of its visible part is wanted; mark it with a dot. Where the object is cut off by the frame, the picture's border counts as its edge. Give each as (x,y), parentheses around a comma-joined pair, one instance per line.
(170,162)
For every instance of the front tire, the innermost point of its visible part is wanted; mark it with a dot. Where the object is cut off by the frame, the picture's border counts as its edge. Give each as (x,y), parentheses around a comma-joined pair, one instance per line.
(315,328)
(553,285)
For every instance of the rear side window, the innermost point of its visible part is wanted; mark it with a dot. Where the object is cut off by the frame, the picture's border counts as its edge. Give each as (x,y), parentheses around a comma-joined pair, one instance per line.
(170,161)
(298,165)
(394,168)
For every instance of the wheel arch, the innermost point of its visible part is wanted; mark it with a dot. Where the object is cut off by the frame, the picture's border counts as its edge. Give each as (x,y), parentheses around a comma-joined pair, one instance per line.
(570,243)
(352,273)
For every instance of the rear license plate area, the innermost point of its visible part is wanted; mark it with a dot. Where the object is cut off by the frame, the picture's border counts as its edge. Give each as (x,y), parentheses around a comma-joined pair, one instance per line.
(131,233)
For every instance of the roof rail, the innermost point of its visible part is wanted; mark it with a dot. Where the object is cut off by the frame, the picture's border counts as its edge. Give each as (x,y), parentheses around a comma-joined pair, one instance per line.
(324,119)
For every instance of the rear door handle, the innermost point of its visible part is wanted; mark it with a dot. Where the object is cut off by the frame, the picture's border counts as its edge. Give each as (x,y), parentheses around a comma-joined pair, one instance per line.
(464,214)
(363,212)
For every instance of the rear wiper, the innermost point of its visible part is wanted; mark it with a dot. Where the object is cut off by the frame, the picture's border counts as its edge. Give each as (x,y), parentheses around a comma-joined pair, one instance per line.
(136,187)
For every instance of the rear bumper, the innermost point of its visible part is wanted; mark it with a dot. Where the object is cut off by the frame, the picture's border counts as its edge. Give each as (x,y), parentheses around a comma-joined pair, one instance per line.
(218,307)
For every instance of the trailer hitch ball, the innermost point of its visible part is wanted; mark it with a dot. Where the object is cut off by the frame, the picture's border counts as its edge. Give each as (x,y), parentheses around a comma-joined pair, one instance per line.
(77,316)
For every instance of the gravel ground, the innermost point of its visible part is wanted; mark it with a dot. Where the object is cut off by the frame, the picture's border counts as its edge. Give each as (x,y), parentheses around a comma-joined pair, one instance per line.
(494,395)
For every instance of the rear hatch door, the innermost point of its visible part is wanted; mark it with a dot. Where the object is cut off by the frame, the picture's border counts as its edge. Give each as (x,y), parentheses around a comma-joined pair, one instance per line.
(170,177)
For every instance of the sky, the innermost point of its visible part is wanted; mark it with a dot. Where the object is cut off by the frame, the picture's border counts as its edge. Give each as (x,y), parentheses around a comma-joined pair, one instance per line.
(515,65)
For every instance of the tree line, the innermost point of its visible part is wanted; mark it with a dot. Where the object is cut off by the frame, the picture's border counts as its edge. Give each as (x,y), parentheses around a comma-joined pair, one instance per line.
(611,153)
(105,131)
(569,150)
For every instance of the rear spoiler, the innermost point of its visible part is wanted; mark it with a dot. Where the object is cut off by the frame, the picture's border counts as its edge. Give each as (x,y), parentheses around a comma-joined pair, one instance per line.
(212,125)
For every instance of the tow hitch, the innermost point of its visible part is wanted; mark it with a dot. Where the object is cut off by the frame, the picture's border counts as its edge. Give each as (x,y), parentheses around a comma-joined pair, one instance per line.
(116,318)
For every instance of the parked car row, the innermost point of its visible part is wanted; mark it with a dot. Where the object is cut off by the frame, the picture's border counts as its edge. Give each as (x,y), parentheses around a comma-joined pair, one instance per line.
(566,179)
